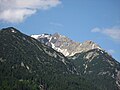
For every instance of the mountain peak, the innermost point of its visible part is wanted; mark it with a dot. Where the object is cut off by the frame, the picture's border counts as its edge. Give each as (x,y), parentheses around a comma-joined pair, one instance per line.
(10,29)
(89,41)
(65,45)
(57,34)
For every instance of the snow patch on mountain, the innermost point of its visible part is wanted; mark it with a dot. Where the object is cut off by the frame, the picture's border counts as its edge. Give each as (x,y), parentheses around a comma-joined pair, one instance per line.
(65,45)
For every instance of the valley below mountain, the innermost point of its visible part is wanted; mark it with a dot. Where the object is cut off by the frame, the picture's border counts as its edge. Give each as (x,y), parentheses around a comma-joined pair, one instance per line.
(54,62)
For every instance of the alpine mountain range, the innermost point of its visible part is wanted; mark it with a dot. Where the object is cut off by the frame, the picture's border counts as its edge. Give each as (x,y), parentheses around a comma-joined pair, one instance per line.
(54,62)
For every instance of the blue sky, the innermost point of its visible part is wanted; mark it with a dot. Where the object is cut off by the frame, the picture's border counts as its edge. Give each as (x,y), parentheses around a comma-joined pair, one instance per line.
(80,20)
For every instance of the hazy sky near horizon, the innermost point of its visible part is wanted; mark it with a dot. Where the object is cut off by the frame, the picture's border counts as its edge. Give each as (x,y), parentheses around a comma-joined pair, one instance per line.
(80,20)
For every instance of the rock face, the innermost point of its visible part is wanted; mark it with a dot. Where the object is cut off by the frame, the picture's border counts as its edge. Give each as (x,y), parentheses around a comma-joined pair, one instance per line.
(65,45)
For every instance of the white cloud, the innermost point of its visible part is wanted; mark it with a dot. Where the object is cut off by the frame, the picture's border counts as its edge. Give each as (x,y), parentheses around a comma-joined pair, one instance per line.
(95,30)
(17,10)
(16,15)
(113,32)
